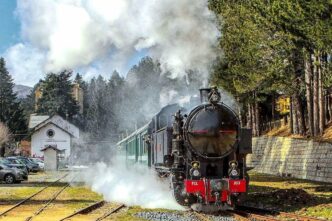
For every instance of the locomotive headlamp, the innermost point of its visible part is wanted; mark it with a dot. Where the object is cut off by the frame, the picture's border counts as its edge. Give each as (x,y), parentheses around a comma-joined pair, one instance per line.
(233,164)
(233,170)
(196,173)
(195,164)
(234,173)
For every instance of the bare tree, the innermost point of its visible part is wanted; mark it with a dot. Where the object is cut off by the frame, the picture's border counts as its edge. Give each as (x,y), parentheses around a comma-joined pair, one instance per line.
(4,137)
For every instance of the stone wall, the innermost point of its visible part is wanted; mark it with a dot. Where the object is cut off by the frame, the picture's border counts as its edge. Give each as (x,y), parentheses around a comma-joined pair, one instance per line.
(292,157)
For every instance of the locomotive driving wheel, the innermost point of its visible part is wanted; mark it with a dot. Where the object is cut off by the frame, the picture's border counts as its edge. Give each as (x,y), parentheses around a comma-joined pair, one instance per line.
(177,186)
(178,194)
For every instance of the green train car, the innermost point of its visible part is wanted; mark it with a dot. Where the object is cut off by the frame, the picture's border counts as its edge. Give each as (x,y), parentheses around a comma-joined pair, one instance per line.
(134,148)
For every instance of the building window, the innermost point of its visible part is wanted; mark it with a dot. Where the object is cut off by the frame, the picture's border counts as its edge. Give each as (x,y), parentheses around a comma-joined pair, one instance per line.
(50,133)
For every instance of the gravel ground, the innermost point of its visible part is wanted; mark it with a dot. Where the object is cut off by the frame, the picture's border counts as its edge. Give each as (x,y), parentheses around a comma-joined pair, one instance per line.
(169,216)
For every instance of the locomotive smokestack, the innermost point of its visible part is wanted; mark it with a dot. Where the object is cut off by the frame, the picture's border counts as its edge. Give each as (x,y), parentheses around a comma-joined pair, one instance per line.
(204,94)
(210,95)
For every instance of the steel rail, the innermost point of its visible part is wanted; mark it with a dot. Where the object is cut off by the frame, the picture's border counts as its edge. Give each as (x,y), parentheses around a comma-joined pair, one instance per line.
(110,212)
(26,199)
(41,209)
(201,217)
(85,210)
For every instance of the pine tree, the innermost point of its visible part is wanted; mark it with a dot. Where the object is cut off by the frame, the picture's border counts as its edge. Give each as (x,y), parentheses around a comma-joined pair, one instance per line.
(98,115)
(11,113)
(277,46)
(57,96)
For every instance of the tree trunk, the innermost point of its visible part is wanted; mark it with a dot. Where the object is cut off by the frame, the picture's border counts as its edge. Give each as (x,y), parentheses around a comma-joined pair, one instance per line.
(329,106)
(254,121)
(249,117)
(291,119)
(295,118)
(308,86)
(286,120)
(316,98)
(257,119)
(321,99)
(299,115)
(273,107)
(2,150)
(299,70)
(239,113)
(326,107)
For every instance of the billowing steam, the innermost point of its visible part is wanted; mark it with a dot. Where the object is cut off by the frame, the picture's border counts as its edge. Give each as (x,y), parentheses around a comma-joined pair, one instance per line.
(134,185)
(104,35)
(98,36)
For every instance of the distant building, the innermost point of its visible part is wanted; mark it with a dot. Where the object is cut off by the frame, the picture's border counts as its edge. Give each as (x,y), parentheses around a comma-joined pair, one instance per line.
(283,104)
(25,147)
(53,132)
(38,95)
(77,94)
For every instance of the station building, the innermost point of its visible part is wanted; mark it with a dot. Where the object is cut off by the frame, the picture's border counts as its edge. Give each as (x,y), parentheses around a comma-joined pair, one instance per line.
(51,132)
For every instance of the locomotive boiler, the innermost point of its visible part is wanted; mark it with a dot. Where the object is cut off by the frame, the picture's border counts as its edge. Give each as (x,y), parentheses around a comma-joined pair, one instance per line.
(201,151)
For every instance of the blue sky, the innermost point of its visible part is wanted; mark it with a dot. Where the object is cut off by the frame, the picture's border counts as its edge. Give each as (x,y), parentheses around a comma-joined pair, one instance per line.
(18,52)
(9,25)
(10,37)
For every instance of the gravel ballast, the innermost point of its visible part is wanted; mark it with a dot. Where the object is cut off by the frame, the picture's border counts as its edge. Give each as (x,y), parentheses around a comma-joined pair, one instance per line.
(169,216)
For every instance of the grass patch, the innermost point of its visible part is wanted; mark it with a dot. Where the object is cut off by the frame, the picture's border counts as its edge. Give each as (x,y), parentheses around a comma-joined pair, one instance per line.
(292,195)
(16,193)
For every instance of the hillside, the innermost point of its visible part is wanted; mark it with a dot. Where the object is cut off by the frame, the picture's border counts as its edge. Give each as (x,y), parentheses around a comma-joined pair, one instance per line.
(22,91)
(284,131)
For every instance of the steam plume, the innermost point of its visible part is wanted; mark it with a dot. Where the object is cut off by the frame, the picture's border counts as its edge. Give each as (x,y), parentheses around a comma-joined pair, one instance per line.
(80,33)
(131,186)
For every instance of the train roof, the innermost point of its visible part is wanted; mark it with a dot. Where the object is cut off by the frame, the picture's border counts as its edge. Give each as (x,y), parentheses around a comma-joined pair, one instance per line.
(139,130)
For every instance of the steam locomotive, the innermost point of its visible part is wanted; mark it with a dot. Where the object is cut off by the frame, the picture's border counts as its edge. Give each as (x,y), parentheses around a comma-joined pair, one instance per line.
(201,151)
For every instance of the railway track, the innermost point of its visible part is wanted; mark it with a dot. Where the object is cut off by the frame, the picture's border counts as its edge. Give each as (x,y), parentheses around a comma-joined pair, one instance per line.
(87,210)
(201,216)
(41,209)
(32,196)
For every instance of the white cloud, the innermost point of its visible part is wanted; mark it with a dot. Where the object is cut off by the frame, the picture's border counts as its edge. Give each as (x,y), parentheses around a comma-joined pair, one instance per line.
(76,34)
(25,64)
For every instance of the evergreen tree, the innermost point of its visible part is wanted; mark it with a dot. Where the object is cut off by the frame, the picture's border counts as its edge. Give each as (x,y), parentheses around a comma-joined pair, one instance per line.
(97,115)
(11,113)
(115,96)
(57,96)
(28,103)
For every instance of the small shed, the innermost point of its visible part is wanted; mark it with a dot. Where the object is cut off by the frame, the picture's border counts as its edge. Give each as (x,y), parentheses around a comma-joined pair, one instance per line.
(51,159)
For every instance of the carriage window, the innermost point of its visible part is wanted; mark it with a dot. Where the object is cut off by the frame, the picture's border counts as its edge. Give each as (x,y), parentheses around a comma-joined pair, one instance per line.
(162,121)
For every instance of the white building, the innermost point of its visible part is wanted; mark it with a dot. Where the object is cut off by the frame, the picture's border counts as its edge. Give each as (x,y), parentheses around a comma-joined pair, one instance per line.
(51,132)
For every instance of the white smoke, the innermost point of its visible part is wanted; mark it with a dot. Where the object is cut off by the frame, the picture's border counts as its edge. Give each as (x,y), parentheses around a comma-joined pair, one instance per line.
(136,185)
(25,63)
(78,33)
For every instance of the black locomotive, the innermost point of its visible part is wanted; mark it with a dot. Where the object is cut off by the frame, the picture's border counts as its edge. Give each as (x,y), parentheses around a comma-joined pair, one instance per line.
(201,151)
